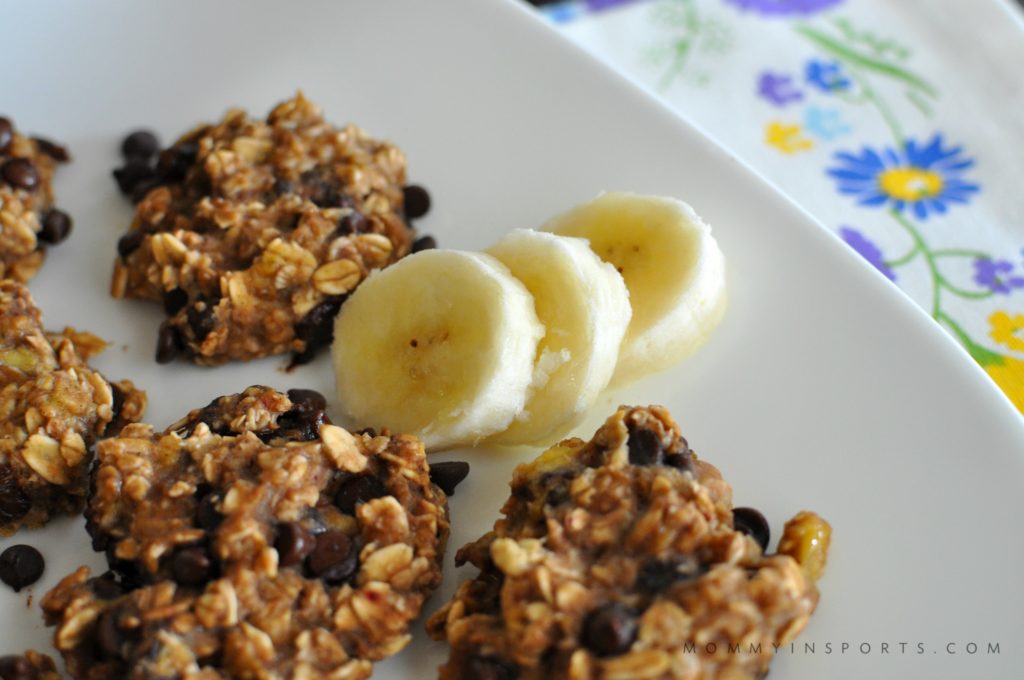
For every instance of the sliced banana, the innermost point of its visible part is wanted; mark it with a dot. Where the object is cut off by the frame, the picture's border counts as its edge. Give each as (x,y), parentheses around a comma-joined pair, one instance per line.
(584,305)
(440,344)
(672,266)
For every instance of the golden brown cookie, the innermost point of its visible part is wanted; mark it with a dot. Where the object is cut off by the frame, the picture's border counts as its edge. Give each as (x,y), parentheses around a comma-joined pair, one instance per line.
(618,558)
(252,539)
(53,408)
(28,219)
(253,231)
(28,666)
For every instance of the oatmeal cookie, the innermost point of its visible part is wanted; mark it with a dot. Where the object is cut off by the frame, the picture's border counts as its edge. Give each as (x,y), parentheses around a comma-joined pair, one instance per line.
(618,559)
(53,407)
(28,666)
(252,232)
(28,220)
(252,539)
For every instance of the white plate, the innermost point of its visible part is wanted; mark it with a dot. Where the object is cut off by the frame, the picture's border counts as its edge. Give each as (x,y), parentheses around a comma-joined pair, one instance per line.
(822,389)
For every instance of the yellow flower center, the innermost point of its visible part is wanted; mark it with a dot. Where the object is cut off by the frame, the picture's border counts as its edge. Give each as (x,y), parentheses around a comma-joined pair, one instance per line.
(910,183)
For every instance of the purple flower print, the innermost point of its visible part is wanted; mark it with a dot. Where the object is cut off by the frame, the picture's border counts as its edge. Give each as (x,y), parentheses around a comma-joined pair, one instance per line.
(868,250)
(778,88)
(784,7)
(598,5)
(996,275)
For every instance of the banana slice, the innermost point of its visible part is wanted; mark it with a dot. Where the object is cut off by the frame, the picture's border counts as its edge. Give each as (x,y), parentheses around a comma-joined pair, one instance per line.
(672,266)
(584,305)
(440,344)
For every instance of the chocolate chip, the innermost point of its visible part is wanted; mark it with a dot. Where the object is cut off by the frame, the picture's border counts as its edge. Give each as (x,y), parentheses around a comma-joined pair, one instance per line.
(303,420)
(368,431)
(192,566)
(116,424)
(207,515)
(656,576)
(16,668)
(130,242)
(168,344)
(557,495)
(293,544)
(752,523)
(6,134)
(296,426)
(353,223)
(52,149)
(108,635)
(106,587)
(424,243)
(100,538)
(609,630)
(129,572)
(416,201)
(334,558)
(143,187)
(282,187)
(200,184)
(173,163)
(486,668)
(644,447)
(290,222)
(134,172)
(356,490)
(523,492)
(301,358)
(448,475)
(140,144)
(117,402)
(20,173)
(13,503)
(322,186)
(55,227)
(680,460)
(21,565)
(175,301)
(307,400)
(316,329)
(201,319)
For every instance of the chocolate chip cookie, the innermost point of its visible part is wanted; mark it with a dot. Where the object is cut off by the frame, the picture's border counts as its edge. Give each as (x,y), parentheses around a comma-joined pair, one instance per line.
(53,408)
(619,559)
(28,219)
(252,539)
(252,232)
(28,666)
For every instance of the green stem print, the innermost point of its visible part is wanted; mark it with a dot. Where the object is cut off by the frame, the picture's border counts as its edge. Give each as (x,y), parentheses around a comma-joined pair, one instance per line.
(900,261)
(872,97)
(689,23)
(915,179)
(692,34)
(850,55)
(939,282)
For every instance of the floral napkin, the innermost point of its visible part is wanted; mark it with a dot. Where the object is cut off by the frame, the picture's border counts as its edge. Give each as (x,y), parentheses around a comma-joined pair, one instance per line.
(900,125)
